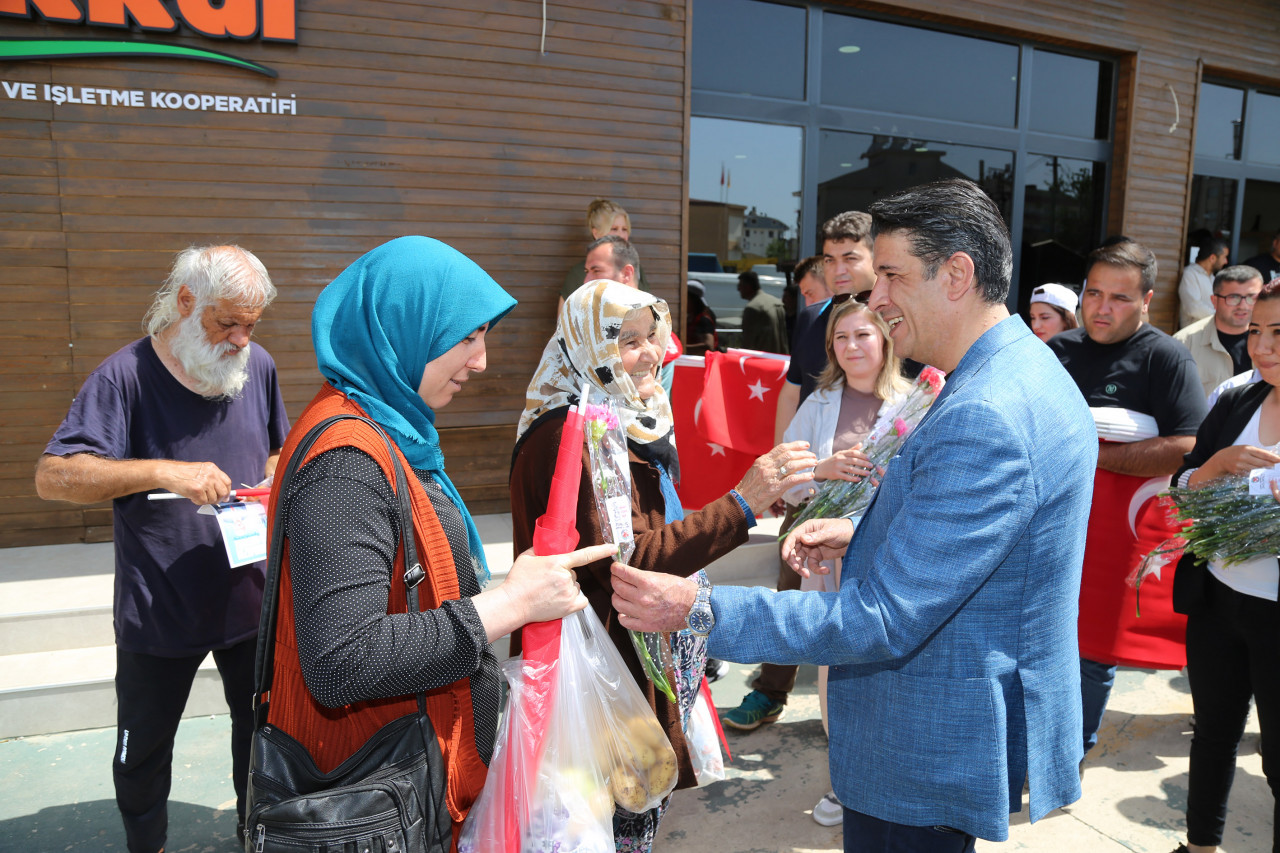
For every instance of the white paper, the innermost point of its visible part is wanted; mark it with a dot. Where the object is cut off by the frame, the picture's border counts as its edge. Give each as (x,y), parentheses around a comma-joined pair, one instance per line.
(244,531)
(1260,480)
(619,509)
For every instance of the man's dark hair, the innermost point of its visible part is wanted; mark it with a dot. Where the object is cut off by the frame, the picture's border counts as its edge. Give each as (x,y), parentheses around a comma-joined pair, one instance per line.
(811,264)
(623,252)
(1211,246)
(946,217)
(751,280)
(1240,273)
(1129,254)
(850,225)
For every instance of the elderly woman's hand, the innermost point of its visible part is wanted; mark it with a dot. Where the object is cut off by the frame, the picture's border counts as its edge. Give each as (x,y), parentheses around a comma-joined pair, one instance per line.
(537,589)
(785,466)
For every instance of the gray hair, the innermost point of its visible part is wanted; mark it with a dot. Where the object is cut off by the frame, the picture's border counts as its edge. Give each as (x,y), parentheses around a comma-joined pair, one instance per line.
(1241,273)
(210,273)
(623,252)
(945,217)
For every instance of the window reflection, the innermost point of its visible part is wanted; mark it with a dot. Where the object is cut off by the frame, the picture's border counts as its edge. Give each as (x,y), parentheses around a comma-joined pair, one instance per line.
(744,210)
(1061,220)
(1264,128)
(1259,217)
(855,169)
(1070,95)
(748,47)
(1213,208)
(876,65)
(1218,121)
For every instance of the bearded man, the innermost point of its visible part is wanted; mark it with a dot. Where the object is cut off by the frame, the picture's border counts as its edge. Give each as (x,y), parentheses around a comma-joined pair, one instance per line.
(193,409)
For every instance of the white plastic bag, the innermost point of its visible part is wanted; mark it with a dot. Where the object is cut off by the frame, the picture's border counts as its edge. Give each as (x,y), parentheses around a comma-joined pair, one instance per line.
(703,741)
(603,746)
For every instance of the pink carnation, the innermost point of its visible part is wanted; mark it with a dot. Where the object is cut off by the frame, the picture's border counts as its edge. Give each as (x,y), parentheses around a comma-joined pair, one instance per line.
(900,426)
(932,377)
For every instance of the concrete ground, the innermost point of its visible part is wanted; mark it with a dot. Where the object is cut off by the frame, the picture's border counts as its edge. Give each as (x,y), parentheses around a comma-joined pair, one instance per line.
(55,790)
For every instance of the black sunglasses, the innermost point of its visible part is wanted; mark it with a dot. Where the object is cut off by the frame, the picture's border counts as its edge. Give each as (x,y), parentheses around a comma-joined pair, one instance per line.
(840,298)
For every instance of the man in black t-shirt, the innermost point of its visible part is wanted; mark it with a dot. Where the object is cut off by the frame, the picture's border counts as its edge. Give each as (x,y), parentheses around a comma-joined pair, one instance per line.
(1218,342)
(1145,394)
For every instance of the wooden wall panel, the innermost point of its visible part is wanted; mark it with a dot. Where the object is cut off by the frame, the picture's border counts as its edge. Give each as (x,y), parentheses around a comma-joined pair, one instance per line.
(439,118)
(443,117)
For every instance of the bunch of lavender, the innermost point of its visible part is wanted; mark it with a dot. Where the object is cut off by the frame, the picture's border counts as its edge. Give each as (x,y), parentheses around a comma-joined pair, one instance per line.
(843,498)
(1226,522)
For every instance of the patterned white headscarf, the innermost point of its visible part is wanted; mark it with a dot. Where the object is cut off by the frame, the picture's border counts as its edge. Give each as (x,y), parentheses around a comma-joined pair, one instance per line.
(584,348)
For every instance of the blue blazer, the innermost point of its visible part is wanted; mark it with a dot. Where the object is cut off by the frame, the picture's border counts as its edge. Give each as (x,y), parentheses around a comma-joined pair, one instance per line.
(955,669)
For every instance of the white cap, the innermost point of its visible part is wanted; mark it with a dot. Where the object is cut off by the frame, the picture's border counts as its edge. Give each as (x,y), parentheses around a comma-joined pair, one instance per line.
(696,287)
(1056,294)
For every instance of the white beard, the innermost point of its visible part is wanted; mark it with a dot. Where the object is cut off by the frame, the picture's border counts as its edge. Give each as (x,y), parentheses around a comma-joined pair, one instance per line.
(216,374)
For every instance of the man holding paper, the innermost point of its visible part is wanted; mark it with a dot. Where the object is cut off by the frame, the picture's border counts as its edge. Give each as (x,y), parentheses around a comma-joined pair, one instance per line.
(191,408)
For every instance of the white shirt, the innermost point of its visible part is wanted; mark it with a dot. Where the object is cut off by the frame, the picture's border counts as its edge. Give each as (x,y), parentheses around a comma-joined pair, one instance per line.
(1259,577)
(1194,290)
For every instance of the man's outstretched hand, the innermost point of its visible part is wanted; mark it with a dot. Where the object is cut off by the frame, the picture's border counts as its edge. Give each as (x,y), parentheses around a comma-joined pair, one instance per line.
(651,601)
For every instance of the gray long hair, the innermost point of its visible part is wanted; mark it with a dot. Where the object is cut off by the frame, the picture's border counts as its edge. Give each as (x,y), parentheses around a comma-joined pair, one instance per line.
(210,273)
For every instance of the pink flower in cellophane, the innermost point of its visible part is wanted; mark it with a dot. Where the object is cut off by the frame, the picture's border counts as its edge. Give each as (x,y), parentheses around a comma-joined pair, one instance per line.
(596,412)
(901,427)
(932,377)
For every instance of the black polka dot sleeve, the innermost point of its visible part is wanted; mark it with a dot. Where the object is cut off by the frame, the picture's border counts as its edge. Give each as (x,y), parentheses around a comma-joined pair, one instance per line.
(341,520)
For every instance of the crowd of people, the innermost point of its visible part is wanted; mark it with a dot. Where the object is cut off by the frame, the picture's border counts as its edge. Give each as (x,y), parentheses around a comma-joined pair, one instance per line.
(968,623)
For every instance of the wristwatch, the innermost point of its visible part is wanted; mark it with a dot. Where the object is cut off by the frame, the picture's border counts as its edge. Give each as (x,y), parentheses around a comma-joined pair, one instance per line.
(700,619)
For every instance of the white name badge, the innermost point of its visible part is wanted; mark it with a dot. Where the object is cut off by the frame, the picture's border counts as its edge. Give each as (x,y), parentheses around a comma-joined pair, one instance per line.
(244,531)
(1260,480)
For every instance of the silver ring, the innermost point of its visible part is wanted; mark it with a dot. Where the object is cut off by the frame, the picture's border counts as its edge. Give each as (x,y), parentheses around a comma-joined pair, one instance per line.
(782,471)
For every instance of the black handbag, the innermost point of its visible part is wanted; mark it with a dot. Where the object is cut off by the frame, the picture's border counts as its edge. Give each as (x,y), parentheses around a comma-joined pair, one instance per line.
(389,797)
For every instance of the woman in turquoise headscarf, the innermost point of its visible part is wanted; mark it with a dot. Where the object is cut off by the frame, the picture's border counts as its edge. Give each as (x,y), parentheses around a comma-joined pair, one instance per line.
(396,336)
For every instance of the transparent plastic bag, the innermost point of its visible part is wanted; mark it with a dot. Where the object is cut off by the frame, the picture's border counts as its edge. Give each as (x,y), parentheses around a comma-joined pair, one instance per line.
(704,741)
(604,746)
(611,487)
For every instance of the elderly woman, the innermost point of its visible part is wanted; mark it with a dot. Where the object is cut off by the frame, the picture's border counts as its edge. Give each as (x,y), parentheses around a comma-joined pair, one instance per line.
(397,334)
(613,337)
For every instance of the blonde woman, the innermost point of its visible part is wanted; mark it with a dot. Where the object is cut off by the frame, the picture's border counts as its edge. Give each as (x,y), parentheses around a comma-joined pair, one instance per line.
(861,375)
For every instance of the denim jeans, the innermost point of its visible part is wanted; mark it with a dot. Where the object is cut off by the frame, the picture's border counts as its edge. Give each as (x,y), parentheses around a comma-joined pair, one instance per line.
(1095,688)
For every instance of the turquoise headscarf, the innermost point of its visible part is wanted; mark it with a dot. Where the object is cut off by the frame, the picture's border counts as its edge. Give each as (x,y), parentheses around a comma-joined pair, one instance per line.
(377,325)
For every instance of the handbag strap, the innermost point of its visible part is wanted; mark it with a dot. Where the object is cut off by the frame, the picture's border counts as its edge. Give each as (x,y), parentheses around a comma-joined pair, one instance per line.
(264,662)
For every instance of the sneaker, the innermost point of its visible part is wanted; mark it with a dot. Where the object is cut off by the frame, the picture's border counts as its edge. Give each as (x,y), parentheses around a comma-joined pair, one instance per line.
(755,710)
(716,669)
(828,811)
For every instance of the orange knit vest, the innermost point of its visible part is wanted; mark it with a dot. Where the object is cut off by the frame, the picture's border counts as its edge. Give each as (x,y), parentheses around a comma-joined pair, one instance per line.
(331,735)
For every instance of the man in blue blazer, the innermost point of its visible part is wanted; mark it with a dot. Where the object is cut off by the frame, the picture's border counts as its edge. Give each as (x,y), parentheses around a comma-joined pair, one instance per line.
(952,641)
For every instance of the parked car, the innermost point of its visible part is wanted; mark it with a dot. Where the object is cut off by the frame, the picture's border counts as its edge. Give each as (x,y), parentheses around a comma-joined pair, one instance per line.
(722,291)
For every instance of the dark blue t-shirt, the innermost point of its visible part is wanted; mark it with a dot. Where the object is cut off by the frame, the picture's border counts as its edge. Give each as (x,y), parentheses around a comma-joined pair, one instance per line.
(175,593)
(809,347)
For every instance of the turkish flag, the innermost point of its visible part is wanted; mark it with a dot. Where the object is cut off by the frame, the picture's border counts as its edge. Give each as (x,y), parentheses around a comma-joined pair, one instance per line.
(707,470)
(1128,519)
(740,399)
